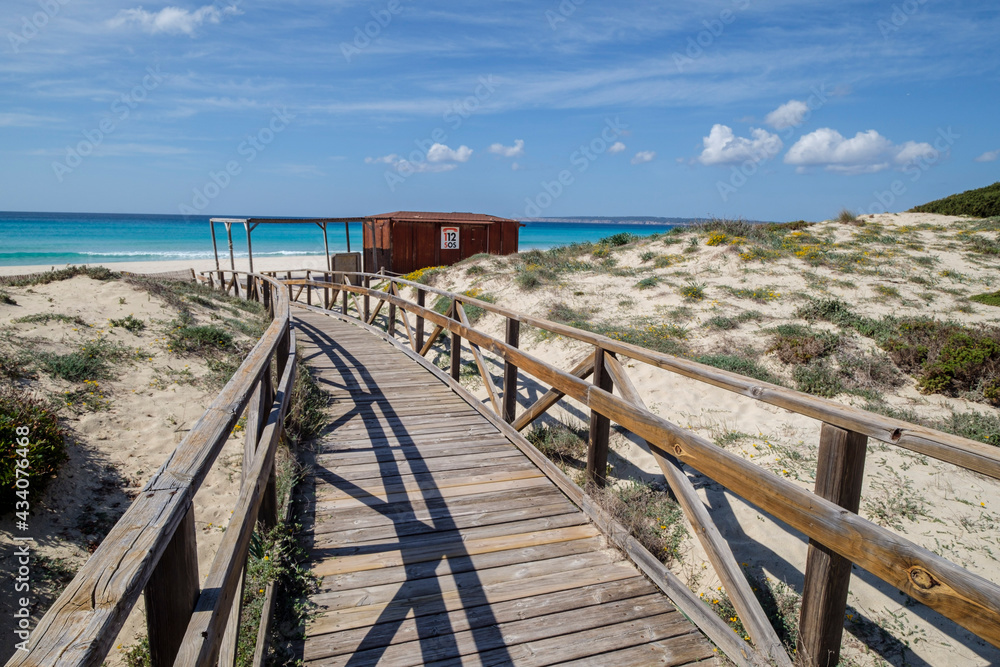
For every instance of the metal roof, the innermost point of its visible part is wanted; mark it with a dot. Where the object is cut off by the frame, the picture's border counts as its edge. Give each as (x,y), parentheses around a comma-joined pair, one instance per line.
(426,216)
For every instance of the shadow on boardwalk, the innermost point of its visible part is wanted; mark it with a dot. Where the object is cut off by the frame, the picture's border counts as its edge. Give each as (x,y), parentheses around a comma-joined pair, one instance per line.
(423,546)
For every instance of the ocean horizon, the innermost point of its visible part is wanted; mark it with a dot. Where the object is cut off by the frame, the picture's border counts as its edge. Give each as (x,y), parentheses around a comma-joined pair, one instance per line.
(59,239)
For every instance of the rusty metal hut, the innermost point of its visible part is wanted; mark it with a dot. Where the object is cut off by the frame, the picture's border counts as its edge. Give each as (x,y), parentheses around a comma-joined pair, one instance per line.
(405,241)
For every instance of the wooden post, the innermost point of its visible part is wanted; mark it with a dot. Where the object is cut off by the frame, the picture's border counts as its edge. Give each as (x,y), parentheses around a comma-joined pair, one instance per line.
(171,593)
(344,294)
(840,472)
(390,327)
(456,350)
(421,301)
(215,248)
(367,306)
(600,427)
(510,372)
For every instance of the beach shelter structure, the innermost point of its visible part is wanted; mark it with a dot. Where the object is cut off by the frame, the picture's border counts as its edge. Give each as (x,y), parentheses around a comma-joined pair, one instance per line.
(404,241)
(249,224)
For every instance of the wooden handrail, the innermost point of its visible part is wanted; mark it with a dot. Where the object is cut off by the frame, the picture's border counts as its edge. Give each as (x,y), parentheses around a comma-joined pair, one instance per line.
(152,547)
(966,598)
(965,453)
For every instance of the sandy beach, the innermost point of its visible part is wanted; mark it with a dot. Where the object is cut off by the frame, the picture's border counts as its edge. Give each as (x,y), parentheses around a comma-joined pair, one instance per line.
(241,264)
(919,265)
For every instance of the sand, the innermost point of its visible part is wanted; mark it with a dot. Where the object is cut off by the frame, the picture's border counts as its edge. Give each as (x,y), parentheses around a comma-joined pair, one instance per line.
(956,512)
(260,264)
(113,452)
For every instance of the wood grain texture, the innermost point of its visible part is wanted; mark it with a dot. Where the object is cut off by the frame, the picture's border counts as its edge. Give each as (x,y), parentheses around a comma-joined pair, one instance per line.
(80,627)
(718,552)
(954,449)
(453,541)
(839,476)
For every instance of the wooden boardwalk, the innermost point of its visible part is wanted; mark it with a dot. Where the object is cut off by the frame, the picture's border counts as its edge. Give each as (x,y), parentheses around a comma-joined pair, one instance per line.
(436,541)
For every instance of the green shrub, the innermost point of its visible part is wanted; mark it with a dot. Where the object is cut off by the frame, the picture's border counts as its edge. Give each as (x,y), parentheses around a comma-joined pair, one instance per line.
(646,256)
(846,216)
(980,203)
(95,272)
(528,280)
(817,378)
(989,299)
(975,426)
(560,443)
(663,338)
(619,239)
(45,318)
(738,364)
(7,299)
(200,339)
(647,283)
(129,323)
(649,514)
(693,291)
(475,270)
(46,447)
(473,312)
(91,362)
(560,312)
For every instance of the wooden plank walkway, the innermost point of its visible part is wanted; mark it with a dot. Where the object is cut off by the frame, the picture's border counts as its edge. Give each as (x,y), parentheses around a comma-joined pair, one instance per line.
(436,541)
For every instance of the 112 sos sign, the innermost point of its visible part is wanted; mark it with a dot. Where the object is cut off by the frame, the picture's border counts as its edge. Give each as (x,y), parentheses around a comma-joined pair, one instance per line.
(449,238)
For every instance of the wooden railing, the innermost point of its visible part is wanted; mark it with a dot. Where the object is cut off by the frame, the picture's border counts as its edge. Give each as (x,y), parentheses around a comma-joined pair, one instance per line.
(828,516)
(152,549)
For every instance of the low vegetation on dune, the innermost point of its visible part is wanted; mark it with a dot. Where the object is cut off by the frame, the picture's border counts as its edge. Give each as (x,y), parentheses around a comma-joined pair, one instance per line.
(979,203)
(894,314)
(106,389)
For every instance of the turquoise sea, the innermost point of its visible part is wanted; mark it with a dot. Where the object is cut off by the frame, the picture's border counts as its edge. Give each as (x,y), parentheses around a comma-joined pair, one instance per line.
(58,239)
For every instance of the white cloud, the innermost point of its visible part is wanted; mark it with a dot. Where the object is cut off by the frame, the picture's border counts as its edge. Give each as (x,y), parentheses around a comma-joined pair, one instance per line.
(172,20)
(789,114)
(441,153)
(643,156)
(865,153)
(517,150)
(616,147)
(439,158)
(988,156)
(723,147)
(514,166)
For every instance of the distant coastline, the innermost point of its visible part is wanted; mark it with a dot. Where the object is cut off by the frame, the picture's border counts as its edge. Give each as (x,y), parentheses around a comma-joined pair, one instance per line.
(625,220)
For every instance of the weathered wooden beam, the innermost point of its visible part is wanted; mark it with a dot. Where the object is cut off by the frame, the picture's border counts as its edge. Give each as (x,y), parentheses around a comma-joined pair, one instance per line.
(171,593)
(421,302)
(484,372)
(582,370)
(510,373)
(600,427)
(202,639)
(840,472)
(965,453)
(689,604)
(718,551)
(456,348)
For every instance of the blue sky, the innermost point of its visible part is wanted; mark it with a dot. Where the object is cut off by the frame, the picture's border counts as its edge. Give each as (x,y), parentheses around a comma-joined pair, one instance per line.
(772,110)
